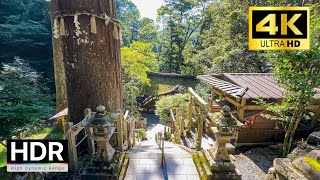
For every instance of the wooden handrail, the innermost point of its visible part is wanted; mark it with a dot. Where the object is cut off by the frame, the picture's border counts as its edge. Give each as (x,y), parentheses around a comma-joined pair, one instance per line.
(172,115)
(197,98)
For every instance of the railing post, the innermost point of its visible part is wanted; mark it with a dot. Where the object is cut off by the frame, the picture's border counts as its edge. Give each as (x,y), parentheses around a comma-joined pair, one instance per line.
(129,133)
(125,130)
(133,132)
(190,116)
(162,150)
(119,132)
(91,149)
(210,102)
(200,131)
(182,121)
(72,151)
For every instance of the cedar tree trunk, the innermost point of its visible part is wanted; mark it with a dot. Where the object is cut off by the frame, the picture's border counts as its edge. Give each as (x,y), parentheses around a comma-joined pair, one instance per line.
(91,60)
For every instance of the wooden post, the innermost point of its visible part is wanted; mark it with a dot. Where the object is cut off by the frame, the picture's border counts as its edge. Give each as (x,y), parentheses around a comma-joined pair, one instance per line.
(200,130)
(119,132)
(91,149)
(210,102)
(134,133)
(128,124)
(182,121)
(241,109)
(125,130)
(72,151)
(162,150)
(190,117)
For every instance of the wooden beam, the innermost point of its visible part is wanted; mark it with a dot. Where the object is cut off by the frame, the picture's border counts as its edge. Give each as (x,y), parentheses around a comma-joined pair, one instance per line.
(255,107)
(313,107)
(241,109)
(197,98)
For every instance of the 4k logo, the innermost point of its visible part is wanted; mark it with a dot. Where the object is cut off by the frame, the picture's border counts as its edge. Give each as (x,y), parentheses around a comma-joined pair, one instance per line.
(279,28)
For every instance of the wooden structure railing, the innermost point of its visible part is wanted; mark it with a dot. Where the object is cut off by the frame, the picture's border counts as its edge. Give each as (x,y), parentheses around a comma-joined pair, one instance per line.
(124,132)
(197,113)
(198,110)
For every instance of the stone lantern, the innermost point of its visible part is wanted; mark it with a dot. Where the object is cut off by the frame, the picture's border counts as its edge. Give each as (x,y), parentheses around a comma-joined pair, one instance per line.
(217,155)
(225,131)
(101,126)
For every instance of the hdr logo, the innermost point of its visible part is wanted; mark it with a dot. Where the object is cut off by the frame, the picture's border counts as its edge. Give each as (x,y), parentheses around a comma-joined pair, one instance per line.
(37,156)
(279,28)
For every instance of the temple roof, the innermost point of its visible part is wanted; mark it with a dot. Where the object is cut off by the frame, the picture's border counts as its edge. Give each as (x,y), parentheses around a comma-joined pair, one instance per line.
(245,85)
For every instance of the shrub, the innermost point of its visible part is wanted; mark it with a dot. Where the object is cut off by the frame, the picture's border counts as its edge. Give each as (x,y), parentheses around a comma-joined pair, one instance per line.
(164,105)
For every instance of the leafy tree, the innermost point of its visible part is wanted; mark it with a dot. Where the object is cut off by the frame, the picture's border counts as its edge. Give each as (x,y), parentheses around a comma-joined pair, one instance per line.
(166,103)
(222,45)
(137,60)
(129,16)
(180,20)
(24,100)
(298,73)
(148,31)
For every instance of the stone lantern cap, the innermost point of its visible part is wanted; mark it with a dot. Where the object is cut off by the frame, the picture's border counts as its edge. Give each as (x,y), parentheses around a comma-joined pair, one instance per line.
(101,118)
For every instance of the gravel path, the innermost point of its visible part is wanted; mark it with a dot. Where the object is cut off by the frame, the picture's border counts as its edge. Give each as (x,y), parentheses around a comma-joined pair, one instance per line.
(254,164)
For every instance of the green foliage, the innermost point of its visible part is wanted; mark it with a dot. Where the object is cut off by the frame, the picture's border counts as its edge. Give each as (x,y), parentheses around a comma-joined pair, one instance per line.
(181,19)
(25,29)
(222,44)
(298,74)
(142,134)
(24,101)
(136,60)
(166,103)
(134,28)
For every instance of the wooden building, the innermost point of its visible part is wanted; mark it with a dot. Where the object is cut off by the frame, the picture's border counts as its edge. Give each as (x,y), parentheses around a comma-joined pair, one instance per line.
(240,91)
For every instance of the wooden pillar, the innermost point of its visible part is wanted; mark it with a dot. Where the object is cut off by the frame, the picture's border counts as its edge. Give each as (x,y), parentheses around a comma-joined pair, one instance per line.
(134,133)
(72,152)
(119,132)
(91,148)
(182,121)
(242,109)
(125,130)
(189,117)
(200,131)
(210,102)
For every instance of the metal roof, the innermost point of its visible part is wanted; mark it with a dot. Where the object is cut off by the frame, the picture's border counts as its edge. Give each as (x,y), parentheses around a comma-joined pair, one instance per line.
(246,85)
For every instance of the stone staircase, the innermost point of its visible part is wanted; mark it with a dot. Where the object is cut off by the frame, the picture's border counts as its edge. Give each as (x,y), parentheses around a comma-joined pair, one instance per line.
(145,161)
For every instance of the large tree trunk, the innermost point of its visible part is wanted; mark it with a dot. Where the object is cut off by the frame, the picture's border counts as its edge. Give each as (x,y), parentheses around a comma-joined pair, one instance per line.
(91,58)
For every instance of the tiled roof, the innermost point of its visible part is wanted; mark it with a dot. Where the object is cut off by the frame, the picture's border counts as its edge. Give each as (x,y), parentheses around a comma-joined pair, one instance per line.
(246,85)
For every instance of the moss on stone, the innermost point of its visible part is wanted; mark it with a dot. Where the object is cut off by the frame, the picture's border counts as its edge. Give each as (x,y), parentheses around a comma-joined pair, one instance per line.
(315,165)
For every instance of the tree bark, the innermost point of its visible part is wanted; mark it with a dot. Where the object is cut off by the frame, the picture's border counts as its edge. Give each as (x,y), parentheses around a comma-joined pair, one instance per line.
(91,60)
(59,71)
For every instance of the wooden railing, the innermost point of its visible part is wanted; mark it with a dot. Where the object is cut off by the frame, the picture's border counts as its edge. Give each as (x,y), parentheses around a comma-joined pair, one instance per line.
(197,112)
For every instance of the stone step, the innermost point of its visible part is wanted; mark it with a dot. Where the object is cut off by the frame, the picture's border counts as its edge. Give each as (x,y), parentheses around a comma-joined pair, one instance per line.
(145,155)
